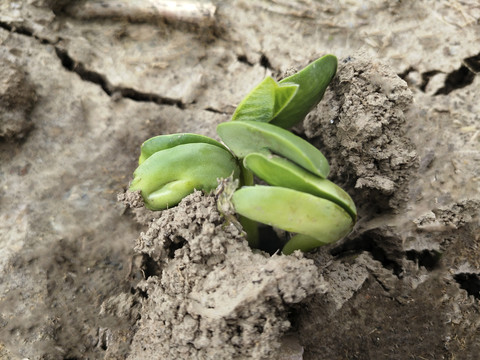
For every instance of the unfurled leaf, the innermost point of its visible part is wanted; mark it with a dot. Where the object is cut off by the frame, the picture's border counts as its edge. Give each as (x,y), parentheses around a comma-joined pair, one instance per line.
(265,101)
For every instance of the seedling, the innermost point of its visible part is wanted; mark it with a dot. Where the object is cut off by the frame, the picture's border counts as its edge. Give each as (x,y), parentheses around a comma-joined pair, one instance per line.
(172,166)
(299,199)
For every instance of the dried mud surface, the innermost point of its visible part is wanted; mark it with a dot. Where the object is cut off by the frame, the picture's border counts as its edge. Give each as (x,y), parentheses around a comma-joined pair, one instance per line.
(210,296)
(17,99)
(80,90)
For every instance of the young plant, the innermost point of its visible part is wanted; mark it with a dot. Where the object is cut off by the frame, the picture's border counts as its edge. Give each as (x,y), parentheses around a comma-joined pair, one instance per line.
(173,166)
(299,199)
(288,102)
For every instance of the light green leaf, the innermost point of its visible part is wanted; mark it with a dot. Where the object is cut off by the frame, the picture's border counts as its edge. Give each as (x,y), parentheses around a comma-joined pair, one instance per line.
(163,142)
(265,101)
(294,211)
(246,137)
(278,171)
(313,81)
(301,242)
(284,93)
(169,175)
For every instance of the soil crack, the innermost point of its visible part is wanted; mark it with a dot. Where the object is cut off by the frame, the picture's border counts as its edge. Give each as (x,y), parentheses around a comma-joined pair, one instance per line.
(265,62)
(426,76)
(370,243)
(244,60)
(87,75)
(92,76)
(23,30)
(216,111)
(16,29)
(473,63)
(456,79)
(470,282)
(126,92)
(427,258)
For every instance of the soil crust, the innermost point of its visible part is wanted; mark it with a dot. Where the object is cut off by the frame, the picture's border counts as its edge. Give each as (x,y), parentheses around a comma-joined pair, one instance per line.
(209,295)
(83,85)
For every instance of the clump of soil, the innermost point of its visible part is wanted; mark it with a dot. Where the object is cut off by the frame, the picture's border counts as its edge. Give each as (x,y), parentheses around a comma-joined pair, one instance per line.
(17,98)
(360,126)
(134,201)
(208,296)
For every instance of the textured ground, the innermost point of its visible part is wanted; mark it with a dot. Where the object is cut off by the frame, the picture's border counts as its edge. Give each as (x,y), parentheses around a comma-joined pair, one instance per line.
(82,86)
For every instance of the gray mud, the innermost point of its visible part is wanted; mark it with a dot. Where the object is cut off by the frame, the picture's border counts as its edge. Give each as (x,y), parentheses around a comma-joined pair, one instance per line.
(210,296)
(360,126)
(83,85)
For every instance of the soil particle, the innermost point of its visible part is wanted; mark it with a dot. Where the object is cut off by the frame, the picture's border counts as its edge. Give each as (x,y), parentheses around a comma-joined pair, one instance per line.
(344,281)
(360,125)
(214,298)
(458,214)
(133,200)
(112,339)
(17,98)
(449,217)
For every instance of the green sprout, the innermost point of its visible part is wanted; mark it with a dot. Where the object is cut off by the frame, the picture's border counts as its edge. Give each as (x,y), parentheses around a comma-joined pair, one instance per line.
(298,197)
(172,166)
(288,102)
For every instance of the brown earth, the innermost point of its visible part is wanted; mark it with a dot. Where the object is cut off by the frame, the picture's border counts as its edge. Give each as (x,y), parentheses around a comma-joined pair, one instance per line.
(84,84)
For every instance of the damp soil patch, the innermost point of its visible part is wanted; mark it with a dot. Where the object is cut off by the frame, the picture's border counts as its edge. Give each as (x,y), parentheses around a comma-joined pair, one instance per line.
(214,297)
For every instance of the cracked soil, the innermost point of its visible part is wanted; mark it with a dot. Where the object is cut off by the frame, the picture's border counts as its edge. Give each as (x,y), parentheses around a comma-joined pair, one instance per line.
(83,84)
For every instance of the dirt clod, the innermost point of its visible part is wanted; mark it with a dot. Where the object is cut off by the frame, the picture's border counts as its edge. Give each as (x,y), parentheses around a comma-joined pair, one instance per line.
(360,125)
(215,298)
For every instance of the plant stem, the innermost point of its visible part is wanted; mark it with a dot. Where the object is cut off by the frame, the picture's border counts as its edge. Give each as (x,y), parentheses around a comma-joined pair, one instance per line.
(251,228)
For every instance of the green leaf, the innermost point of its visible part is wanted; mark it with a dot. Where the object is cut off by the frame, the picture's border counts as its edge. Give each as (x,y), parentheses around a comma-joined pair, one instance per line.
(278,171)
(294,211)
(312,81)
(246,137)
(163,142)
(284,93)
(167,176)
(301,242)
(265,101)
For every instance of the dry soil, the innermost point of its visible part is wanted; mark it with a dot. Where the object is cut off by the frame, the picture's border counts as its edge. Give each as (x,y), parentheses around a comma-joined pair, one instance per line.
(83,277)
